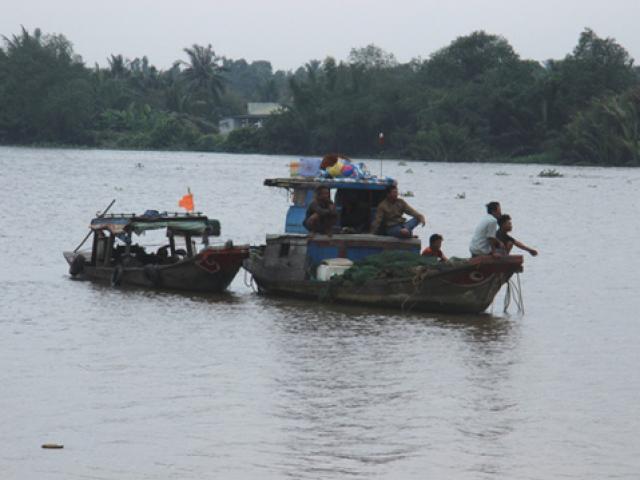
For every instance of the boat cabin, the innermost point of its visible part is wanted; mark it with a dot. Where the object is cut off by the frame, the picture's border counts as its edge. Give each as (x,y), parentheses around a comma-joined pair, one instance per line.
(113,237)
(356,200)
(295,255)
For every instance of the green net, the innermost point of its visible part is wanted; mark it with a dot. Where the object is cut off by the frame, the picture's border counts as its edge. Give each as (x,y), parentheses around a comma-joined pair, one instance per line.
(393,265)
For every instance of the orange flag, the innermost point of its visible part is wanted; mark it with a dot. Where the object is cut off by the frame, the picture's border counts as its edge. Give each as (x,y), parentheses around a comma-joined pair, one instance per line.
(186,202)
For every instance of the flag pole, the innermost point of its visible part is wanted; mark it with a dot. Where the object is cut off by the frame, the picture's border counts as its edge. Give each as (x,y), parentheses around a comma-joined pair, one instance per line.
(381,144)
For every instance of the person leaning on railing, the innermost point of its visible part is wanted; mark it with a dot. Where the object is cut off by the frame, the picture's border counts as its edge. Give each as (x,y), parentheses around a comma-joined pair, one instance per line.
(504,227)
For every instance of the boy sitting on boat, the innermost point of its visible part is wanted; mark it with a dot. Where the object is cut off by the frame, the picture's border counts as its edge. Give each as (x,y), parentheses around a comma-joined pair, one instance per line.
(389,219)
(504,227)
(435,248)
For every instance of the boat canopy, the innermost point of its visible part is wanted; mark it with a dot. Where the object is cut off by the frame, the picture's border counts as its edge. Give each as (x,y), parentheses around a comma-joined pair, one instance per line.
(372,183)
(178,223)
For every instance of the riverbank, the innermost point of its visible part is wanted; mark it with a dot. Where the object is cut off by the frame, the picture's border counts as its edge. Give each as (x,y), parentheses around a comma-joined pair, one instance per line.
(539,159)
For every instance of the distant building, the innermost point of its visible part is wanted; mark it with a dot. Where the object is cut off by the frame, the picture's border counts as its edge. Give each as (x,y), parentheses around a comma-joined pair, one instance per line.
(256,113)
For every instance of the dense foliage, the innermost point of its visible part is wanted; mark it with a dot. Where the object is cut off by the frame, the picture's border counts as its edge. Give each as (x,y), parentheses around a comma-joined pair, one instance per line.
(473,100)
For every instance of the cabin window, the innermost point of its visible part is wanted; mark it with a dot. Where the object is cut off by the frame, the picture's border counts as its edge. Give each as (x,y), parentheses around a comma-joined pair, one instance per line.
(284,249)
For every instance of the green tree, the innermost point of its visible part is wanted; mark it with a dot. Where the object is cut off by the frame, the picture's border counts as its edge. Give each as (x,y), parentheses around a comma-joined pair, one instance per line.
(372,56)
(467,58)
(203,76)
(36,70)
(597,67)
(608,132)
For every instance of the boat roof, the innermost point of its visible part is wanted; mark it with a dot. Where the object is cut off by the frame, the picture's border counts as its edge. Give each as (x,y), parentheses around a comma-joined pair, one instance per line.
(371,183)
(179,223)
(368,238)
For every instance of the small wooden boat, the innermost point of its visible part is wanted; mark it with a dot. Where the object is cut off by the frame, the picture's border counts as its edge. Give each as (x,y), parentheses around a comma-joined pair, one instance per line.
(179,264)
(289,264)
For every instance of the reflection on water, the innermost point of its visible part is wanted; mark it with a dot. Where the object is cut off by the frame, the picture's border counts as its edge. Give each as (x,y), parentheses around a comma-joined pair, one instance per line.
(156,385)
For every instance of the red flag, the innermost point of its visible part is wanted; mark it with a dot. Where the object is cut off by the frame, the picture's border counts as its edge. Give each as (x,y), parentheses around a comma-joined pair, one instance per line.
(186,202)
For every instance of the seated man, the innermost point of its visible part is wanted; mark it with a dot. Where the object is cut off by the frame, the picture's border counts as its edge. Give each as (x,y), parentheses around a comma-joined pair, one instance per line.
(504,227)
(389,219)
(435,248)
(321,215)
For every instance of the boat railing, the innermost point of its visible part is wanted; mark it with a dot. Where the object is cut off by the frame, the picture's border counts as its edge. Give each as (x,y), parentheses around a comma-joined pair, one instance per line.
(160,215)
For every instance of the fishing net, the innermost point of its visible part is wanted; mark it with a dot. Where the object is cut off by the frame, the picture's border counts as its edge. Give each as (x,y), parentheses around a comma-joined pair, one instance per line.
(394,265)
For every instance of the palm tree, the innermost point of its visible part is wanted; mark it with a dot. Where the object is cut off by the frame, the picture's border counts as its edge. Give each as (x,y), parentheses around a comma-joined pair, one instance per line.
(203,72)
(24,38)
(118,66)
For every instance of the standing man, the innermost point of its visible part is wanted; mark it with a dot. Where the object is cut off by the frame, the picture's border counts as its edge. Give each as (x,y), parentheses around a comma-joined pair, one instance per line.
(389,219)
(321,214)
(484,241)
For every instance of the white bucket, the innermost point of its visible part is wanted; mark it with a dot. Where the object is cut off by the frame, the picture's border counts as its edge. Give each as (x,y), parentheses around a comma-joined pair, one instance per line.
(332,266)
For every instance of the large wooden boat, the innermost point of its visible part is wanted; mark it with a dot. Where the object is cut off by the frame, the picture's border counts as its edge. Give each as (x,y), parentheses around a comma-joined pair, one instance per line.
(186,262)
(289,264)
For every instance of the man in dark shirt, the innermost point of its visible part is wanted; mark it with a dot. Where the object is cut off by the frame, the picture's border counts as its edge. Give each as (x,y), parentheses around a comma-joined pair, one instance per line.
(321,214)
(504,227)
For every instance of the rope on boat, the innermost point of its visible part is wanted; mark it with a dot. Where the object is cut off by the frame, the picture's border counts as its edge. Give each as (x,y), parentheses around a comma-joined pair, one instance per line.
(417,281)
(250,282)
(514,292)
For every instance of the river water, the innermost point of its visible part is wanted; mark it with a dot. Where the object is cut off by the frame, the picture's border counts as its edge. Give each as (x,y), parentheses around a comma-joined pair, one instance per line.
(145,385)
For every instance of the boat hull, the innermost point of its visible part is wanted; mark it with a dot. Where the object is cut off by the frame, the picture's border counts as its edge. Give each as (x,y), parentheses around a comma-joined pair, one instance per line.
(468,288)
(210,271)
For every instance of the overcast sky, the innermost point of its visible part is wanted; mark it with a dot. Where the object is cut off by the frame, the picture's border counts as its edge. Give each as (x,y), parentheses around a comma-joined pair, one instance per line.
(291,32)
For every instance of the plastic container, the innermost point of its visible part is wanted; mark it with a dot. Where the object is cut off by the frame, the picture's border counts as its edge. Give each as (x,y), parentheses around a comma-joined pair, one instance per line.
(331,267)
(294,169)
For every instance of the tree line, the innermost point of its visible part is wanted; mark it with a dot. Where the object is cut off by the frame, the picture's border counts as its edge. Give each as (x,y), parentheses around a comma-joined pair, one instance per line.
(473,100)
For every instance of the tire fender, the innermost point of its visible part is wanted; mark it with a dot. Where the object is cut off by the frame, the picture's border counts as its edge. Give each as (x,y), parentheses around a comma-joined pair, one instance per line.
(116,276)
(77,265)
(153,274)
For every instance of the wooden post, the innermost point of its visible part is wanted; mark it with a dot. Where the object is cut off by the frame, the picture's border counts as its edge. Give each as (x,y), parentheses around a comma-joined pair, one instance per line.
(94,249)
(172,244)
(108,253)
(187,239)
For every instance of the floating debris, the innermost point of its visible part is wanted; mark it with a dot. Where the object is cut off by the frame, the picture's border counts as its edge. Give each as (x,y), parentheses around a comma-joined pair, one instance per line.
(502,174)
(408,193)
(550,173)
(537,183)
(52,446)
(402,164)
(461,196)
(408,171)
(139,165)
